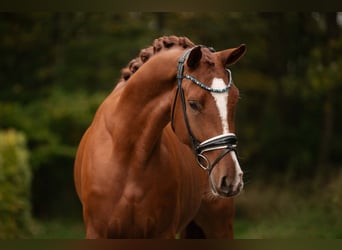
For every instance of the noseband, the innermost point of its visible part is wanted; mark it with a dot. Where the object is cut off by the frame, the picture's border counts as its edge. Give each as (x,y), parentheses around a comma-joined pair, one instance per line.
(227,142)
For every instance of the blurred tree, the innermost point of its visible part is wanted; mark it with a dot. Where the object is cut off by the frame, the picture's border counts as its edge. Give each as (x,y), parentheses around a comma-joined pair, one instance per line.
(15,180)
(53,69)
(324,74)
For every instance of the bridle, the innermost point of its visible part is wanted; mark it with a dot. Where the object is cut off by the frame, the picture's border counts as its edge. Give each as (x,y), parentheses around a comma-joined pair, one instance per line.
(228,141)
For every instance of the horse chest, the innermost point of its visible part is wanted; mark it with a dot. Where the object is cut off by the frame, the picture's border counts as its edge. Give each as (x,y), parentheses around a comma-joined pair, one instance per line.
(151,204)
(143,213)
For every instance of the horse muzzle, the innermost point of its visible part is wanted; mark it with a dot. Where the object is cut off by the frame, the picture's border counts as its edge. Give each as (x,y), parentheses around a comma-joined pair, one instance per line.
(228,190)
(228,144)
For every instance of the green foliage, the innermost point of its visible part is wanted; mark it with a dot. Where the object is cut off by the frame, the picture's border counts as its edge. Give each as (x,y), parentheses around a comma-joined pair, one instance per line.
(15,183)
(54,126)
(324,70)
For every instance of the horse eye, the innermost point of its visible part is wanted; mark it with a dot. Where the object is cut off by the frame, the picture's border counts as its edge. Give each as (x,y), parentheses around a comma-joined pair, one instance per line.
(195,105)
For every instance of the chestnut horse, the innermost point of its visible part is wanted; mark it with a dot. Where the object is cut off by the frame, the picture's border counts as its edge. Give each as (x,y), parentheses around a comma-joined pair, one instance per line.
(159,158)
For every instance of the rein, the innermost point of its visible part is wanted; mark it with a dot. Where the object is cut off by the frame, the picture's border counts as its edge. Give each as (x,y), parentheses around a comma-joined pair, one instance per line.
(228,141)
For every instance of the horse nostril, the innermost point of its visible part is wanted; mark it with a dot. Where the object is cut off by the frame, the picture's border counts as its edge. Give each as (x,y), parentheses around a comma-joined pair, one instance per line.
(226,187)
(224,183)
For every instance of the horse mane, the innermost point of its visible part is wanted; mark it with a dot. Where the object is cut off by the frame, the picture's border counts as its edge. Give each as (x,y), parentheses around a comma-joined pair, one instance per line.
(159,44)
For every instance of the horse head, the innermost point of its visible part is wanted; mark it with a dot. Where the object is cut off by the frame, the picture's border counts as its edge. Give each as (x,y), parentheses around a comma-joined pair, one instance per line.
(203,114)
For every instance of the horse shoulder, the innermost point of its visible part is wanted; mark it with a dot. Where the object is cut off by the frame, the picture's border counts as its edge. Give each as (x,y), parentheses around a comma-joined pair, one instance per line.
(190,178)
(96,150)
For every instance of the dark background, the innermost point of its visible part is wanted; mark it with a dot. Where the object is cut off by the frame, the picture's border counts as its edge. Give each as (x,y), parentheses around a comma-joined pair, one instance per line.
(56,68)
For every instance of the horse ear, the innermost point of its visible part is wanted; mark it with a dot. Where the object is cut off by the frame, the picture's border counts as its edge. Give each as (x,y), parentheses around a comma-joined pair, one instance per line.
(231,56)
(194,57)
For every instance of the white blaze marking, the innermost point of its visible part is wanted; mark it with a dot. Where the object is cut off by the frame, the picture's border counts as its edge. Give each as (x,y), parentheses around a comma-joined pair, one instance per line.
(221,100)
(238,172)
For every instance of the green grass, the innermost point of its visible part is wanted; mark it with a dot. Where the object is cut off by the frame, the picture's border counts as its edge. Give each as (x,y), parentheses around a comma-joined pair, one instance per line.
(299,211)
(276,211)
(59,229)
(308,223)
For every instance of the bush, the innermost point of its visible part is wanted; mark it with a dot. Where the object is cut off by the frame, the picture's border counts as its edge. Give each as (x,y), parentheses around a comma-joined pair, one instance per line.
(15,183)
(53,127)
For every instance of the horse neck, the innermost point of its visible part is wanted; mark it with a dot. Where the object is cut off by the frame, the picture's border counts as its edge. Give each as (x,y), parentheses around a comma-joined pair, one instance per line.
(145,105)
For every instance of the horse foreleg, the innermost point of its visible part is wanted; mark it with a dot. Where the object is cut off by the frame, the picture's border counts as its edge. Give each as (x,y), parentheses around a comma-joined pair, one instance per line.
(215,218)
(96,228)
(192,231)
